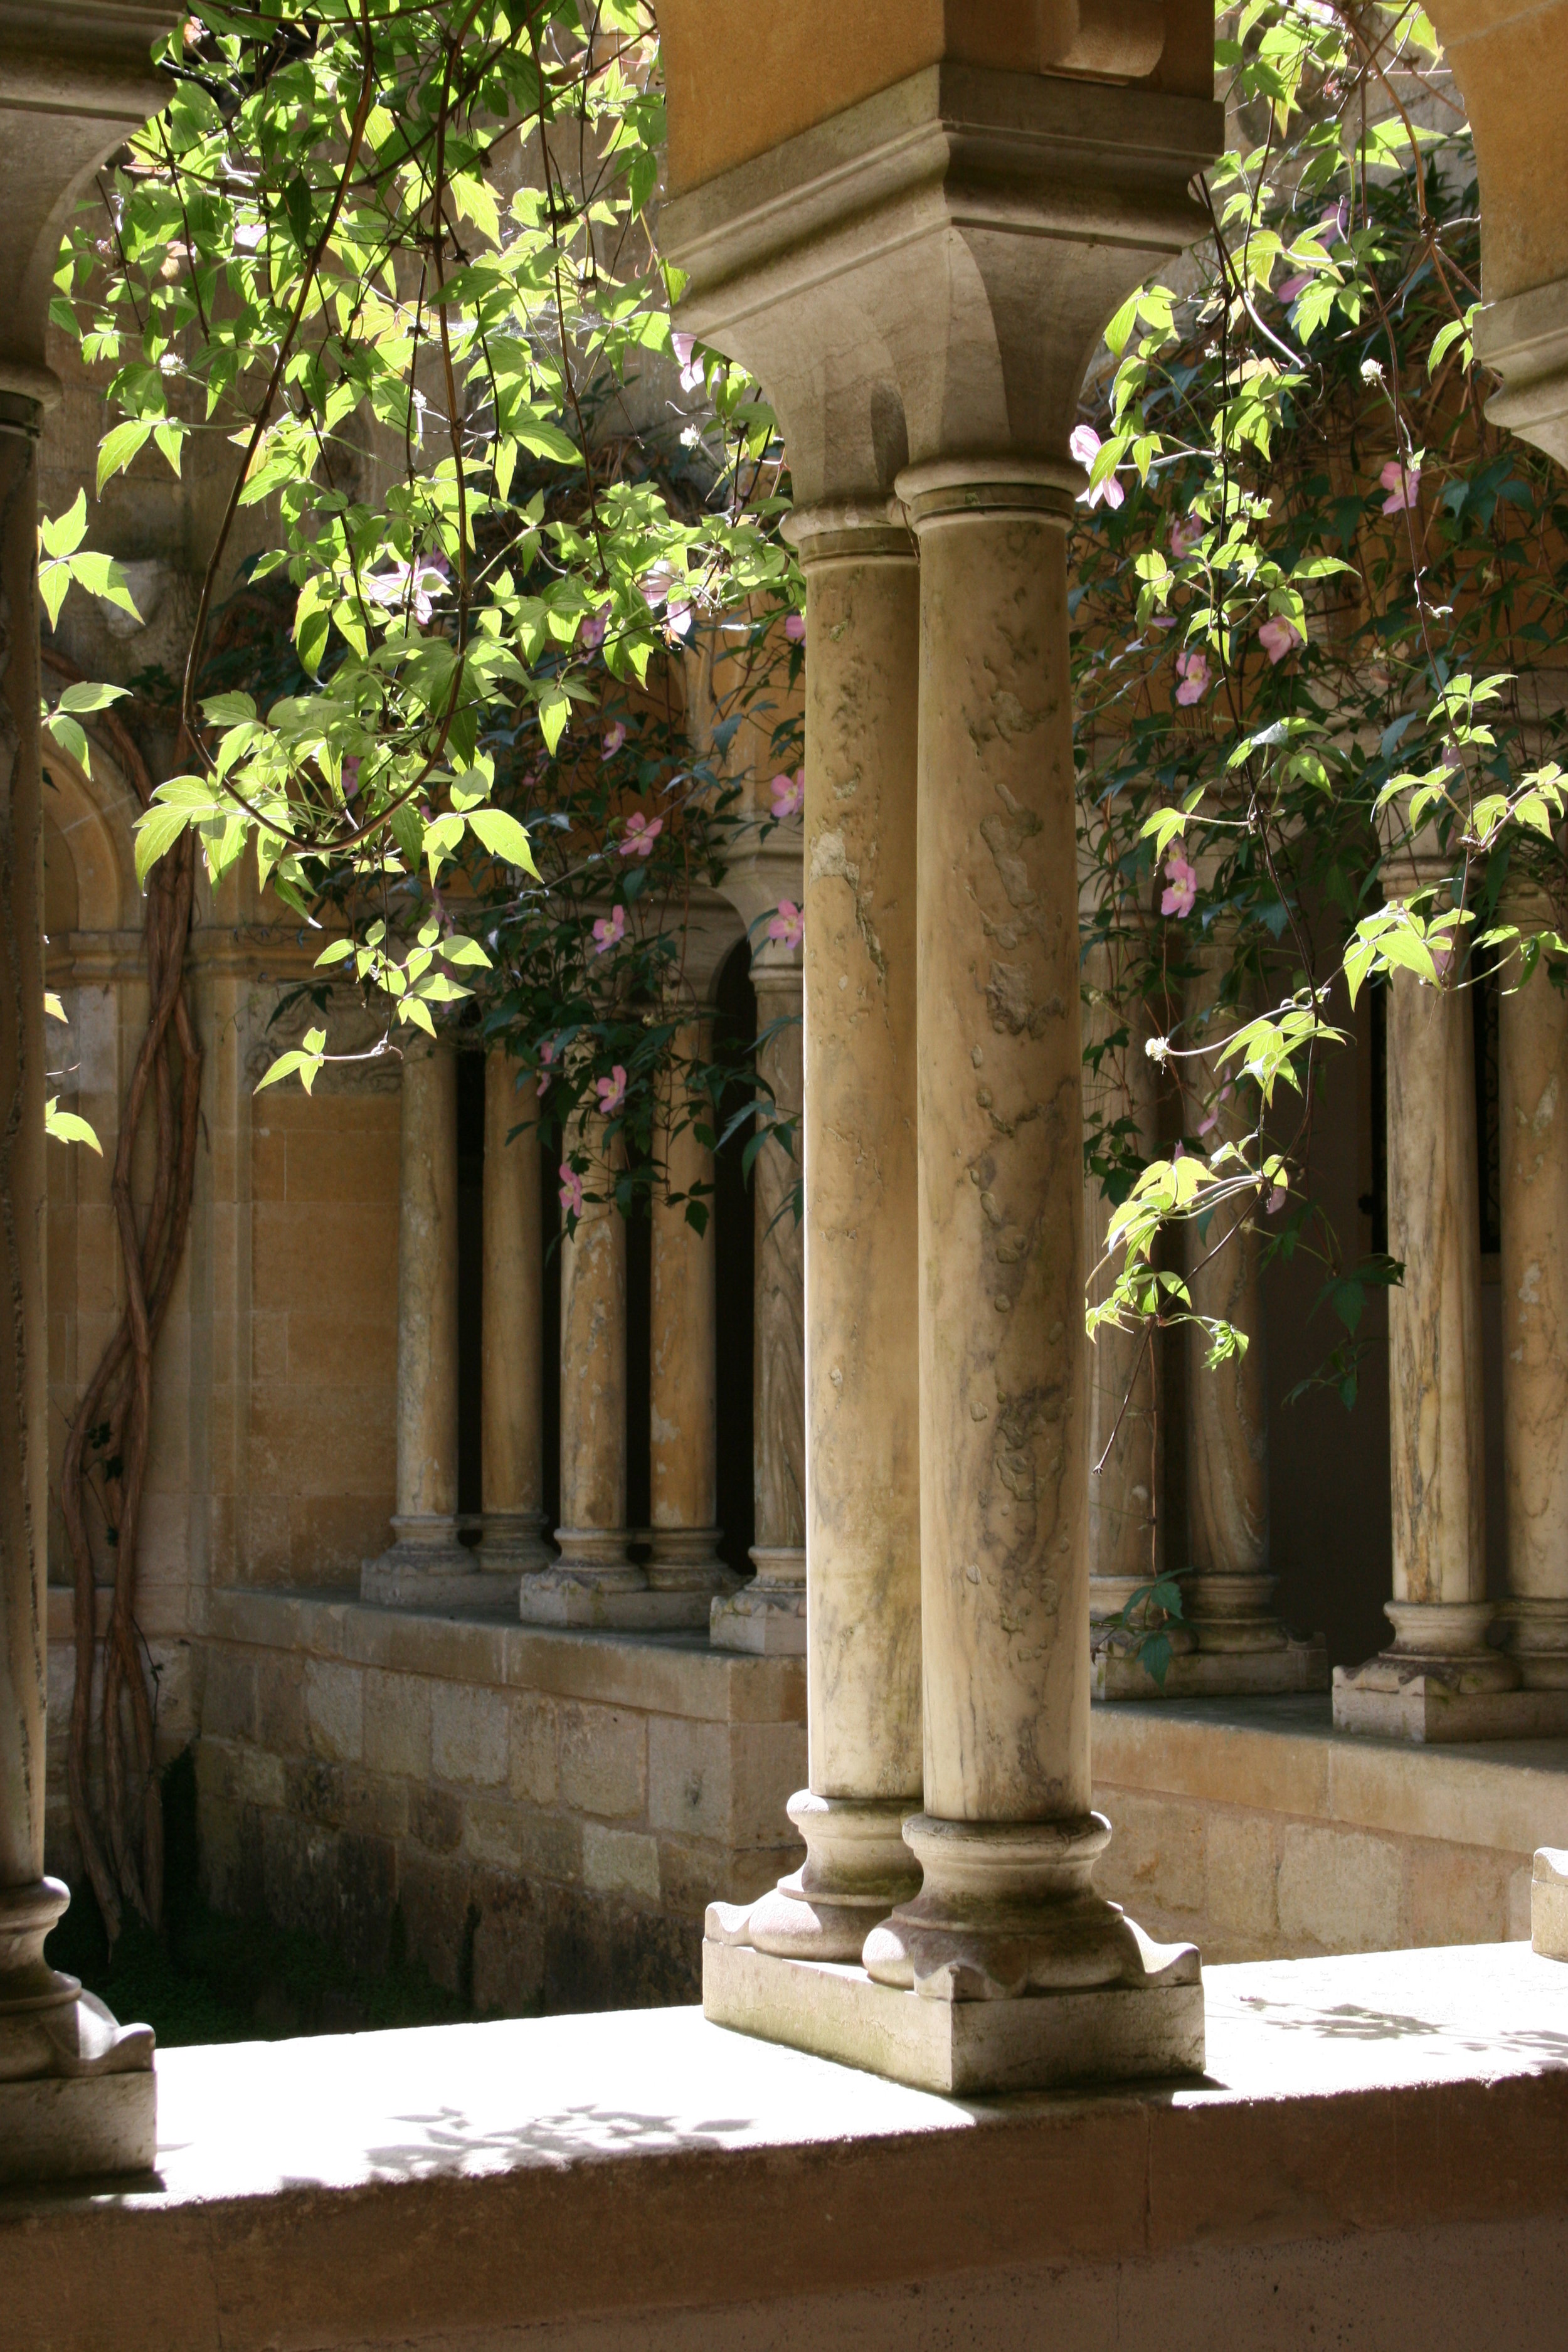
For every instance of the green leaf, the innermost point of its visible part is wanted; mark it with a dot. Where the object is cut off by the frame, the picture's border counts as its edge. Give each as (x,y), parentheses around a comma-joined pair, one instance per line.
(156,832)
(119,448)
(504,836)
(67,1127)
(65,534)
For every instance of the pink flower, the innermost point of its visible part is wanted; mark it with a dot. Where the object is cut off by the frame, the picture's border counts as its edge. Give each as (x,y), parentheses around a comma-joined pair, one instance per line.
(789,794)
(1337,221)
(1278,637)
(591,630)
(677,619)
(1193,670)
(571,1190)
(1085,444)
(795,627)
(351,775)
(611,1091)
(546,1055)
(1184,886)
(692,371)
(640,835)
(788,925)
(1207,1125)
(428,578)
(1293,286)
(615,736)
(1276,1201)
(1185,535)
(609,931)
(1403,484)
(656,585)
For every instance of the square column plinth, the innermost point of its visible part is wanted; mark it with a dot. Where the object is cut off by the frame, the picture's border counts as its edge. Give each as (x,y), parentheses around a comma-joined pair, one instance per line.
(1212,1674)
(94,2126)
(1106,2033)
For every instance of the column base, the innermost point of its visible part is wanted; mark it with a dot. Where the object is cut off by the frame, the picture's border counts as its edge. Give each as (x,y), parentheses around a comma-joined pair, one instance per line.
(857,1868)
(766,1617)
(78,2093)
(512,1543)
(426,1568)
(594,1584)
(1440,1680)
(1538,1640)
(1217,1674)
(686,1559)
(959,2047)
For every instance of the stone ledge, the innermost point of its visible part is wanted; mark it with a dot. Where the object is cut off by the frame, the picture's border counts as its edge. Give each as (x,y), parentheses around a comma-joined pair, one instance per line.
(662,1673)
(1381,2135)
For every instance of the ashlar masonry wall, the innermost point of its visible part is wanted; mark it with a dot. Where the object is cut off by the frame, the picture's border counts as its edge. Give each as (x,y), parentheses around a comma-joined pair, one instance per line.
(548,1811)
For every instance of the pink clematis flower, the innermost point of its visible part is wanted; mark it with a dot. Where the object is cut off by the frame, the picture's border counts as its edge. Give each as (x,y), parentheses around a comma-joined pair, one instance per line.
(591,630)
(1185,533)
(1085,444)
(677,618)
(1278,637)
(788,925)
(351,775)
(640,835)
(1276,1201)
(1403,484)
(546,1055)
(611,1091)
(795,627)
(1183,886)
(609,931)
(571,1190)
(1207,1125)
(429,578)
(1293,286)
(614,738)
(789,794)
(1193,670)
(692,372)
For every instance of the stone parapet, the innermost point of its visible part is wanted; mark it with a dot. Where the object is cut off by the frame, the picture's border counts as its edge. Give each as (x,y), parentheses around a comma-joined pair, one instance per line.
(1374,2160)
(549,1811)
(1247,1825)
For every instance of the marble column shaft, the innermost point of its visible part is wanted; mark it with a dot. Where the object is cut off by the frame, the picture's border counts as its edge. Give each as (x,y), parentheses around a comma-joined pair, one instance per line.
(683,1438)
(427,1564)
(513,1338)
(1532,1039)
(593,1531)
(862,1362)
(779,1356)
(1126,1529)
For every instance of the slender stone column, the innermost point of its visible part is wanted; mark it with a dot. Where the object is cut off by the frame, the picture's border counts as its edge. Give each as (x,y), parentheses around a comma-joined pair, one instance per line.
(1007,1840)
(1440,1679)
(513,1333)
(920,283)
(1533,1037)
(768,1614)
(77,2091)
(683,1436)
(427,1566)
(1126,1440)
(1241,1645)
(861,1360)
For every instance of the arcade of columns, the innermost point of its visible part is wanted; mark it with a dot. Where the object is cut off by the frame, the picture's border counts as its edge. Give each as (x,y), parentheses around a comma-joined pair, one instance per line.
(913,230)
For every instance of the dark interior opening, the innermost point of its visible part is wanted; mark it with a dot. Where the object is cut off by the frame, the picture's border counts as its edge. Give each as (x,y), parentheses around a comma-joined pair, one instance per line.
(735,1254)
(549,1232)
(639,1343)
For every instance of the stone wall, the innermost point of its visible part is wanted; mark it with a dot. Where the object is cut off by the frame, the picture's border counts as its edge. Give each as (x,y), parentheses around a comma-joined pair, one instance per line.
(548,1811)
(1249,1826)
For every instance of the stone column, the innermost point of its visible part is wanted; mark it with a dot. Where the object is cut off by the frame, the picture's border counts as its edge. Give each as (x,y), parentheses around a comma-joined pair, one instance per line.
(427,1566)
(920,283)
(1440,1679)
(1007,1839)
(861,1362)
(77,2091)
(683,1435)
(768,1614)
(1532,1039)
(512,1542)
(1241,1645)
(1126,1440)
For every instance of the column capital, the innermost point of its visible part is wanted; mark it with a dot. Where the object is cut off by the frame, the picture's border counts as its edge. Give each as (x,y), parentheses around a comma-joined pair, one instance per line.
(931,269)
(859,530)
(945,489)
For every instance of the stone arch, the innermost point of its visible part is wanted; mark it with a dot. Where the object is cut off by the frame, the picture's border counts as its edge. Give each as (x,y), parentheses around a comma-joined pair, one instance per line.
(90,863)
